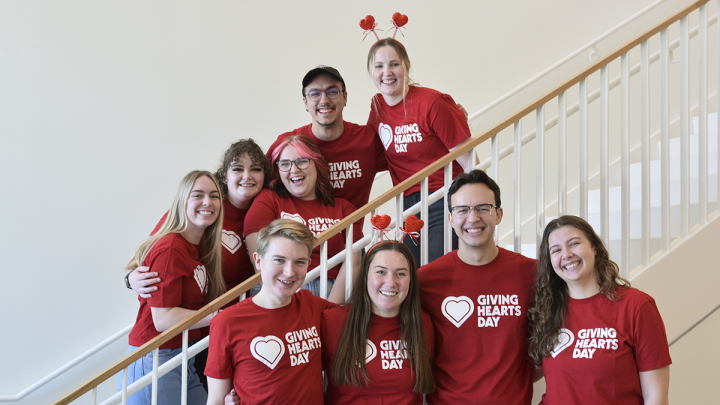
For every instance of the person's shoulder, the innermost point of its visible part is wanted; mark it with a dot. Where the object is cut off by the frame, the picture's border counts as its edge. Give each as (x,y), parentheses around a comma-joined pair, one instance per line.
(306,298)
(336,313)
(518,258)
(633,295)
(231,313)
(266,195)
(440,265)
(357,129)
(345,204)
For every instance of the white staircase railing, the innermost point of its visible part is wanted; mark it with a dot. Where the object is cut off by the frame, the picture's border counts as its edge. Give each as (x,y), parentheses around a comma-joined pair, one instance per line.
(595,130)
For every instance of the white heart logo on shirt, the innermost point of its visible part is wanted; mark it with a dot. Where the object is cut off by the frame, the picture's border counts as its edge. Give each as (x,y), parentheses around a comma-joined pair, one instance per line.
(385,134)
(457,309)
(201,277)
(268,349)
(370,351)
(565,339)
(231,241)
(294,217)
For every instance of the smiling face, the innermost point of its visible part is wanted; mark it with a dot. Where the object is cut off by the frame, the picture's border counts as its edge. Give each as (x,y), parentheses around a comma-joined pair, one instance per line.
(244,181)
(325,112)
(388,282)
(299,183)
(203,208)
(475,232)
(283,268)
(573,259)
(389,75)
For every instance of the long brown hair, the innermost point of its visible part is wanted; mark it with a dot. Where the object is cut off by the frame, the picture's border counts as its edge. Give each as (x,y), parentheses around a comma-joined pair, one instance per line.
(177,222)
(547,313)
(351,347)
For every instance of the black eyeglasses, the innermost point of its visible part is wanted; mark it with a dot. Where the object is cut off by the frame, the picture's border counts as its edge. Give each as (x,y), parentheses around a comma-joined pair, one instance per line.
(481,210)
(285,165)
(315,95)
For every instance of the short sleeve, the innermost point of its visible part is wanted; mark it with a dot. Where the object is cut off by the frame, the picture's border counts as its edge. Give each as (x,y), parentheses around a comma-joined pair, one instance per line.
(348,209)
(651,347)
(220,354)
(261,213)
(448,121)
(167,263)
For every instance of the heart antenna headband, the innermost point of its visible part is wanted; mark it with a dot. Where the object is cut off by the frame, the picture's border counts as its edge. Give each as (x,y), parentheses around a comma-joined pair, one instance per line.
(413,225)
(369,25)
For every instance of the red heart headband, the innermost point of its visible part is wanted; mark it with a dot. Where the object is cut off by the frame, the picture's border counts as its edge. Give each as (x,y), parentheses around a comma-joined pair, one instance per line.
(369,25)
(413,225)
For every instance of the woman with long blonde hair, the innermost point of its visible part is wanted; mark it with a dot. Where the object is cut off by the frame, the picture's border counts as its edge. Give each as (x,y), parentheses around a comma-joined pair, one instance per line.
(185,252)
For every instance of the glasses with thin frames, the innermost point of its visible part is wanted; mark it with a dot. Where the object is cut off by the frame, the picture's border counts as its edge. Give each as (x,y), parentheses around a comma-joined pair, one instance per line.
(481,210)
(315,95)
(286,164)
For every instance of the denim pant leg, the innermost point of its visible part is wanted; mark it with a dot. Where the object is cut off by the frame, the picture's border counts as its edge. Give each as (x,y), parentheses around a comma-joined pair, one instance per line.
(436,229)
(169,385)
(314,286)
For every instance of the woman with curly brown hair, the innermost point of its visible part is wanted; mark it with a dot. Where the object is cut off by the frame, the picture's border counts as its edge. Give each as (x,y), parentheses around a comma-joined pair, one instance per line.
(595,339)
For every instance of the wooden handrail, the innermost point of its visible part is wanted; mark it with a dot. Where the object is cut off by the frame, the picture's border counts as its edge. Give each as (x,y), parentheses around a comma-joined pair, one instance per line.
(374,204)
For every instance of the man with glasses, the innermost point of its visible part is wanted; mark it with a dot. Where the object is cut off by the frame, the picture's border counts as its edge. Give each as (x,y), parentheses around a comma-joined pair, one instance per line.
(354,152)
(478,297)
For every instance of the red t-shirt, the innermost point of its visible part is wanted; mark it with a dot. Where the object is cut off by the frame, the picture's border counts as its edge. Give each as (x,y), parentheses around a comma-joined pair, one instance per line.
(183,283)
(604,344)
(318,217)
(354,158)
(481,327)
(391,376)
(418,131)
(236,265)
(273,356)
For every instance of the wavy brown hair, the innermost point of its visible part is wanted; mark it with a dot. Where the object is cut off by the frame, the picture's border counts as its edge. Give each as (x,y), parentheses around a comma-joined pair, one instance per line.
(351,347)
(547,312)
(234,153)
(177,222)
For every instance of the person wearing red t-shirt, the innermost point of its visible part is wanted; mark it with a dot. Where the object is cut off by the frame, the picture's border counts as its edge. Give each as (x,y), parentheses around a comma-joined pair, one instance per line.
(185,253)
(268,347)
(477,297)
(416,126)
(384,331)
(596,340)
(301,190)
(353,151)
(243,173)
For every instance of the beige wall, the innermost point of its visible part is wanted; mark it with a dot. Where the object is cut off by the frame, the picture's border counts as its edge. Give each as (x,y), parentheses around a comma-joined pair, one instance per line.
(104,106)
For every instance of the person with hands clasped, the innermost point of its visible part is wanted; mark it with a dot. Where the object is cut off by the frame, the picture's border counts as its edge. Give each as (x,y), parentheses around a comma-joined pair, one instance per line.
(596,340)
(379,348)
(417,125)
(268,346)
(185,252)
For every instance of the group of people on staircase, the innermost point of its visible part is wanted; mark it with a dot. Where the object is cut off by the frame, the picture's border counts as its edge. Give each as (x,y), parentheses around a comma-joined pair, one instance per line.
(477,325)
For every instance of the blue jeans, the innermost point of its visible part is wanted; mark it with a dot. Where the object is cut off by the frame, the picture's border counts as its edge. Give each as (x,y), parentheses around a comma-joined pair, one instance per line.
(436,229)
(169,385)
(314,286)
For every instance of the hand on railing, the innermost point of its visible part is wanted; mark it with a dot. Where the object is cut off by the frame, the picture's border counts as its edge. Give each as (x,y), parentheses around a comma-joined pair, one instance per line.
(142,281)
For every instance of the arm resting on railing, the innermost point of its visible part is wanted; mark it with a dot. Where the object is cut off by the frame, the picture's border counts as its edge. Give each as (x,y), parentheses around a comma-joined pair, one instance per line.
(165,318)
(654,385)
